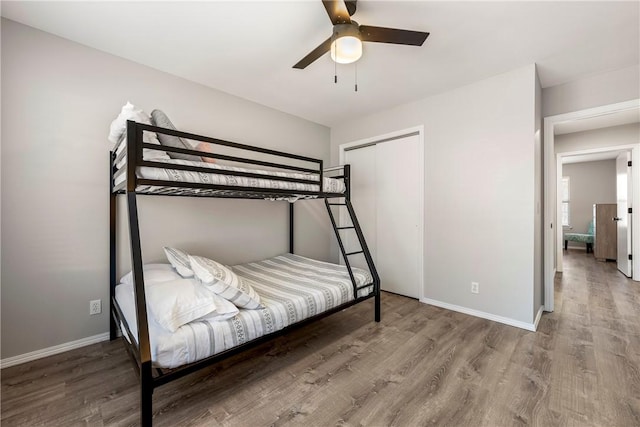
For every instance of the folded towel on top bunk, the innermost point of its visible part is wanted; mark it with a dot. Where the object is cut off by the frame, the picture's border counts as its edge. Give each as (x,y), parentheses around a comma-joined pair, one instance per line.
(118,135)
(118,131)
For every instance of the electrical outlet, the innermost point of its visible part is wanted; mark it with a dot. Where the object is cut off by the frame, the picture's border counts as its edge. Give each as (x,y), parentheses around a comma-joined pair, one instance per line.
(475,287)
(95,307)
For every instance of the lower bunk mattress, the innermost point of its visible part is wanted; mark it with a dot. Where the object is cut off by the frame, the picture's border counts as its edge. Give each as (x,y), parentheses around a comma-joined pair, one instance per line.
(291,288)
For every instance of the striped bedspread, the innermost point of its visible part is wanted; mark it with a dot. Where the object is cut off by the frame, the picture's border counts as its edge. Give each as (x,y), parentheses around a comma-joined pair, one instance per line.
(270,181)
(291,287)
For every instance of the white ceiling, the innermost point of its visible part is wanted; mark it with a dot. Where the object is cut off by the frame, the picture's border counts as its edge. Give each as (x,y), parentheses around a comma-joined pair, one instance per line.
(248,48)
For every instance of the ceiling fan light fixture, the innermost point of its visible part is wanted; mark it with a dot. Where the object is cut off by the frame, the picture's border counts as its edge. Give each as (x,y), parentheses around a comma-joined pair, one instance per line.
(346,50)
(346,46)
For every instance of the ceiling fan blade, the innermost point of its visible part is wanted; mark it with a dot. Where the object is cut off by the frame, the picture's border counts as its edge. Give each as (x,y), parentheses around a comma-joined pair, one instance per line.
(316,53)
(392,35)
(337,11)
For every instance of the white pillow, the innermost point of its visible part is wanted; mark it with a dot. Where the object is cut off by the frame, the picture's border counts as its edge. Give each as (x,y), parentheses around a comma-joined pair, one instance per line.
(179,260)
(224,310)
(153,273)
(224,282)
(177,302)
(118,131)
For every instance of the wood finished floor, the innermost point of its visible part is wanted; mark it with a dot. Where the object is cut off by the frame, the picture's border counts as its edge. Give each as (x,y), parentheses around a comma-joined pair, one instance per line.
(421,366)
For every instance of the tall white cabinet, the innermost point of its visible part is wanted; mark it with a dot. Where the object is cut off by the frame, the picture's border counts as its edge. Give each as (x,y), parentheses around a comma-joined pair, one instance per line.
(387,188)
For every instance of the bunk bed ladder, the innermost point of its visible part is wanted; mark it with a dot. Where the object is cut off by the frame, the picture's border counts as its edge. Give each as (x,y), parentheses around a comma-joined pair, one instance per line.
(364,249)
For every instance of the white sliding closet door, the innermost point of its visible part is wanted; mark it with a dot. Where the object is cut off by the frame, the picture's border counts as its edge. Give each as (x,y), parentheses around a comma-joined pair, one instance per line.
(398,212)
(386,188)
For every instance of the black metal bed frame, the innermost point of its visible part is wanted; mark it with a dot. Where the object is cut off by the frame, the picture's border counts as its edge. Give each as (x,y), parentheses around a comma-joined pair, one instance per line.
(140,352)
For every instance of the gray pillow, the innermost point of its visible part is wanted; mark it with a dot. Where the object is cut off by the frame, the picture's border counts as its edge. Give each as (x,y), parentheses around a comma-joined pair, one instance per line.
(160,119)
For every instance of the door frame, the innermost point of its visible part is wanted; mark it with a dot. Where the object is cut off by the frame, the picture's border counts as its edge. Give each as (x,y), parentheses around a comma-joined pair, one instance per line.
(559,230)
(419,130)
(550,191)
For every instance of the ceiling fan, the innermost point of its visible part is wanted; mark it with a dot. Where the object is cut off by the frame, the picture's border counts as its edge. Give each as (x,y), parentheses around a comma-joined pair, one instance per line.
(345,43)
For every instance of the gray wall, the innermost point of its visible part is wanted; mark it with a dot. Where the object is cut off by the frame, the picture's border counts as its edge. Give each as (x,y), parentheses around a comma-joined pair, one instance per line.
(590,183)
(598,138)
(479,189)
(58,99)
(594,91)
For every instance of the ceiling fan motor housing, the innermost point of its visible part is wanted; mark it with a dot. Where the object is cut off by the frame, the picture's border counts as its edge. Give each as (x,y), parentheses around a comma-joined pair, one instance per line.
(342,30)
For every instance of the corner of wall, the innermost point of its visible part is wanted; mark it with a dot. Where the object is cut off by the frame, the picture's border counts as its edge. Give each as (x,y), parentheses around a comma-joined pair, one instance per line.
(538,265)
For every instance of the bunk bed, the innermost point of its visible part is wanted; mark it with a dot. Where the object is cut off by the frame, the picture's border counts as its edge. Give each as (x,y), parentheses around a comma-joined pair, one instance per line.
(329,288)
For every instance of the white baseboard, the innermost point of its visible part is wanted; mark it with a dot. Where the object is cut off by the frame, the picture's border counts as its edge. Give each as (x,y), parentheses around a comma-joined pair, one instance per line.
(482,314)
(538,316)
(50,351)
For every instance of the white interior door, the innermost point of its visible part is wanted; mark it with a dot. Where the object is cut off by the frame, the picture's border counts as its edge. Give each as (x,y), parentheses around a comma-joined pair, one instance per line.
(623,190)
(398,174)
(385,192)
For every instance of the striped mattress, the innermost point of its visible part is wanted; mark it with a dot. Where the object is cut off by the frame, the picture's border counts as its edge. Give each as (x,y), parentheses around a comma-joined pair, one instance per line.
(270,181)
(291,287)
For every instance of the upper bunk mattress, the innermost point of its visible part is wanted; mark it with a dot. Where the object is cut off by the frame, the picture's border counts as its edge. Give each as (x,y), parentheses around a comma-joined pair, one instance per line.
(330,185)
(291,288)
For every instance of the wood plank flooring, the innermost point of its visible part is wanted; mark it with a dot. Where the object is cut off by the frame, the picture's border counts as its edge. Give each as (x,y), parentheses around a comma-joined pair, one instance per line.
(421,366)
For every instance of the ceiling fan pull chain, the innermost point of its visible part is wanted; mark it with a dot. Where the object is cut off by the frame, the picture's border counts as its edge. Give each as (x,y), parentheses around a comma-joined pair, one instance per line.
(356,76)
(335,64)
(335,72)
